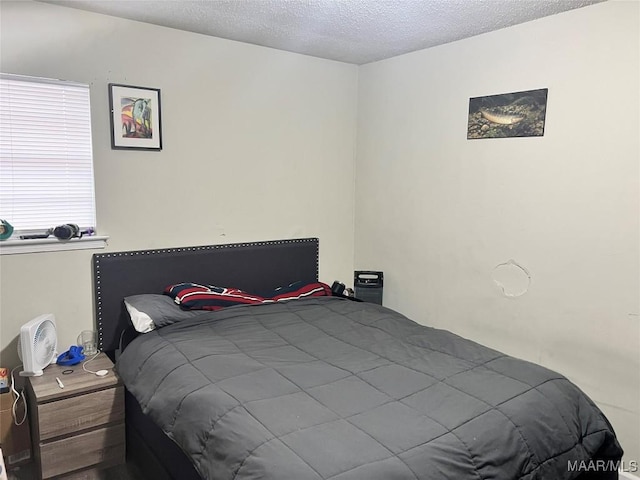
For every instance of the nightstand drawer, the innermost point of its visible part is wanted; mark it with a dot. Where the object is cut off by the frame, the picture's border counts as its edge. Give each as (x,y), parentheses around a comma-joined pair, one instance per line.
(105,446)
(78,413)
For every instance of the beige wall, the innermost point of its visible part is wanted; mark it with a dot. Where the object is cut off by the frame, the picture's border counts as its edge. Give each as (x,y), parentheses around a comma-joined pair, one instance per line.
(438,212)
(258,144)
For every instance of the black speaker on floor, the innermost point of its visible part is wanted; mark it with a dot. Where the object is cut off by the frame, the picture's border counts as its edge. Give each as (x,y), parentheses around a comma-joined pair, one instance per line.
(368,285)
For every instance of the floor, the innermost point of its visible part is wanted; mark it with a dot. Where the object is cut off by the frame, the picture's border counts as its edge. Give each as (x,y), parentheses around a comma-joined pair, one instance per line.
(121,472)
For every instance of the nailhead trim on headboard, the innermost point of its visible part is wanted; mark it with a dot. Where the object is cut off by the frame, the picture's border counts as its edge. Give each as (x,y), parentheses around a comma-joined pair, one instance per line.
(98,257)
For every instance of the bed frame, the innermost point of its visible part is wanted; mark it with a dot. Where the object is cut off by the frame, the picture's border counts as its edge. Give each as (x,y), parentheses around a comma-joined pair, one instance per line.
(253,267)
(257,266)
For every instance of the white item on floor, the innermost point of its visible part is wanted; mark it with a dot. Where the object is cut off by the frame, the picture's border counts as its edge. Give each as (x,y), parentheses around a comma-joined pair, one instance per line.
(3,471)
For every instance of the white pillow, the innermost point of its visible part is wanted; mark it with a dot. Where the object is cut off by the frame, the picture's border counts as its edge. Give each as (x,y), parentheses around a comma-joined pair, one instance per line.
(141,321)
(149,311)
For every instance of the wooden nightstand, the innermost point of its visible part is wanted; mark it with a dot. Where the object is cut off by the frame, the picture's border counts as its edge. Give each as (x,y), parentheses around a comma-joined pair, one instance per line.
(80,426)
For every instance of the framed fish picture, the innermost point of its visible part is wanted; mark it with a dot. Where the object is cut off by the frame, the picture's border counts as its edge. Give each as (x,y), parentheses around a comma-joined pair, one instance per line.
(135,117)
(518,114)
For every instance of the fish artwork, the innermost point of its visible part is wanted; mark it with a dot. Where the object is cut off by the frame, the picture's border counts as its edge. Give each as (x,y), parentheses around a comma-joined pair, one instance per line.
(501,118)
(516,114)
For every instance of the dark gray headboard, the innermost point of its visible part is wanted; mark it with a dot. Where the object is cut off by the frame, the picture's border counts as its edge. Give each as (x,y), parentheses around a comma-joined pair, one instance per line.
(253,267)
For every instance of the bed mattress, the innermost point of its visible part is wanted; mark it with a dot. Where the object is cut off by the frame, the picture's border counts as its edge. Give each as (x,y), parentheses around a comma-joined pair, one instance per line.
(328,388)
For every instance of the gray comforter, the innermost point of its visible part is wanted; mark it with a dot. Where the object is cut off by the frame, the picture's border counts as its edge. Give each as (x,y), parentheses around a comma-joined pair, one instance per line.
(333,389)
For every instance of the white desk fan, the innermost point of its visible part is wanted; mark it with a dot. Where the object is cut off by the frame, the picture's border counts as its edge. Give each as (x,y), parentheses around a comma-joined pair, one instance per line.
(37,345)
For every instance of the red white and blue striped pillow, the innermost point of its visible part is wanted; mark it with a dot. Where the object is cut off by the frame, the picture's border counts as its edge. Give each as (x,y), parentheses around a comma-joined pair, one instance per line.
(299,290)
(194,296)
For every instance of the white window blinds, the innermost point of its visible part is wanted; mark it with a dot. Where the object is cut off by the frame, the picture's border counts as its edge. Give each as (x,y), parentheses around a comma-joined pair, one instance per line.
(46,159)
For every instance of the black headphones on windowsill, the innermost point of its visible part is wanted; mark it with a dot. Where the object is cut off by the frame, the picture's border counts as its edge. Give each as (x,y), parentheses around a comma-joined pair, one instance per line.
(62,232)
(66,231)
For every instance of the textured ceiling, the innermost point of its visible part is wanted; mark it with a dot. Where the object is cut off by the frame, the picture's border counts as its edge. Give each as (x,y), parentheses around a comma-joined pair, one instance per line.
(352,31)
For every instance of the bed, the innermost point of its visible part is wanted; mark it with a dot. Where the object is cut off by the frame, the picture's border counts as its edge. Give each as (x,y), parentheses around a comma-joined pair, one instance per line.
(325,387)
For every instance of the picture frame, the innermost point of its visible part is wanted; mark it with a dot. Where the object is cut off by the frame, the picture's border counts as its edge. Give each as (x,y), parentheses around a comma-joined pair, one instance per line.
(136,117)
(516,114)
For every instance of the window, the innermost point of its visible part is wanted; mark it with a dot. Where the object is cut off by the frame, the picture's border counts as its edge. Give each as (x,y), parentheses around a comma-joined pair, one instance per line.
(46,159)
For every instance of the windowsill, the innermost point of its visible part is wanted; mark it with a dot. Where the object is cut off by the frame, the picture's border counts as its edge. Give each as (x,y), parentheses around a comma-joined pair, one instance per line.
(11,247)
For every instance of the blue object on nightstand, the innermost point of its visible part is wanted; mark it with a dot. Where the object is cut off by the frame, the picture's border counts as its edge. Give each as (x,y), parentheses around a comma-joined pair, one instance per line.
(71,357)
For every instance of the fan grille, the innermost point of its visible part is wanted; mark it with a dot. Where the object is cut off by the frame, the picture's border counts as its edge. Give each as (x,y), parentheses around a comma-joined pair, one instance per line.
(44,343)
